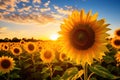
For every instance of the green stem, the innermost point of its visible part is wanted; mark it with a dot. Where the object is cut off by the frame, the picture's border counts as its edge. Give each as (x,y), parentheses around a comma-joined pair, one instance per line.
(85,71)
(51,70)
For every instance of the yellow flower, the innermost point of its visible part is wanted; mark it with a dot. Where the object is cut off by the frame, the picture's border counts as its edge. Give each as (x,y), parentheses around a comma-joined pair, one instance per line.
(47,55)
(5,47)
(6,64)
(62,56)
(30,47)
(117,57)
(22,42)
(115,42)
(117,33)
(16,50)
(83,37)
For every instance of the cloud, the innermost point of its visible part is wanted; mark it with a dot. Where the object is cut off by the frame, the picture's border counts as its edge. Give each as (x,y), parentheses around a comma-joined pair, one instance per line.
(47,3)
(45,9)
(30,18)
(24,0)
(3,28)
(27,11)
(7,4)
(37,1)
(25,8)
(62,10)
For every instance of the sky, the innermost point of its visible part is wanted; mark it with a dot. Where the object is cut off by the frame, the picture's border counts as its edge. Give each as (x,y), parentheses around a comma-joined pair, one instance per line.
(42,18)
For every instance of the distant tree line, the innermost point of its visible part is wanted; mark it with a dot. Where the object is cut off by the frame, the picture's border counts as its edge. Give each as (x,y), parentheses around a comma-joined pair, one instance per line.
(15,39)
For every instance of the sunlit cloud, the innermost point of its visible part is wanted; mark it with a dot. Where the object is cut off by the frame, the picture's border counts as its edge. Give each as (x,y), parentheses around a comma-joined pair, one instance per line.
(36,1)
(7,4)
(62,10)
(41,19)
(47,3)
(45,9)
(3,28)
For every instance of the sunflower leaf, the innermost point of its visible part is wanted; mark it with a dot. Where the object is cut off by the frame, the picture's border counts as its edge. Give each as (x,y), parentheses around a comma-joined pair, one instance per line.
(103,72)
(45,69)
(69,73)
(58,68)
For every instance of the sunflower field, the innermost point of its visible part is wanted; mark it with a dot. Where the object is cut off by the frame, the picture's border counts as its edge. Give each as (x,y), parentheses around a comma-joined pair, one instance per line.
(82,52)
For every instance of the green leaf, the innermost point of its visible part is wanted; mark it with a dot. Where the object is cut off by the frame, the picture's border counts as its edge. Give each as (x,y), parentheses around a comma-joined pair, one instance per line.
(109,59)
(103,72)
(56,78)
(58,68)
(14,76)
(45,69)
(27,66)
(69,73)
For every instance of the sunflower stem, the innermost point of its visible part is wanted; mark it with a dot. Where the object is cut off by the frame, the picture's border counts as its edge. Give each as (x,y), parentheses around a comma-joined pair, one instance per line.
(85,71)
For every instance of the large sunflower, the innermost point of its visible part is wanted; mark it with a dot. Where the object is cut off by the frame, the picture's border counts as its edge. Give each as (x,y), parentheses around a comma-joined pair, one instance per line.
(6,64)
(83,37)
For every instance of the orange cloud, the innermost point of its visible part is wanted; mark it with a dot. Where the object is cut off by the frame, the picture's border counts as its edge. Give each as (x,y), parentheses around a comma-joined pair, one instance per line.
(41,19)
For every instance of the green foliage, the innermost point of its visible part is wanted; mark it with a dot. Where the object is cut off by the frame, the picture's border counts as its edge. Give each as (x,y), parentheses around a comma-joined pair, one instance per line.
(103,72)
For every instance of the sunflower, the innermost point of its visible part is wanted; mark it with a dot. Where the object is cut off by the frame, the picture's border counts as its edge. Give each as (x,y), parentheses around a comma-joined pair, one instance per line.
(5,47)
(22,42)
(115,42)
(6,64)
(62,56)
(117,57)
(117,32)
(30,47)
(16,50)
(83,37)
(47,55)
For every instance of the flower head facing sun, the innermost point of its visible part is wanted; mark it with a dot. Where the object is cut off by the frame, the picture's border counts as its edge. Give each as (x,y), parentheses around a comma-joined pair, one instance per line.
(16,50)
(115,42)
(30,47)
(117,57)
(47,55)
(117,33)
(6,64)
(83,37)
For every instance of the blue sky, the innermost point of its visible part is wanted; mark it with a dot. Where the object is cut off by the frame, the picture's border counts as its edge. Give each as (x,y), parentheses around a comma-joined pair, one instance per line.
(42,18)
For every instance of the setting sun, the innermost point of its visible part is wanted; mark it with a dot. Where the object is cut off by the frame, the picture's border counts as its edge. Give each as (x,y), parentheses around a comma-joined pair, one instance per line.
(54,36)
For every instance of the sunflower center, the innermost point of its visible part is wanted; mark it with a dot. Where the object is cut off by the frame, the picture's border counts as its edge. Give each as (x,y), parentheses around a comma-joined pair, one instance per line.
(117,42)
(47,54)
(63,56)
(16,50)
(82,37)
(31,47)
(6,47)
(5,64)
(118,33)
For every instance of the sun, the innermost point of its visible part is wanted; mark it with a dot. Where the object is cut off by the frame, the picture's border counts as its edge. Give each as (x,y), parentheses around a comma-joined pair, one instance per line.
(54,36)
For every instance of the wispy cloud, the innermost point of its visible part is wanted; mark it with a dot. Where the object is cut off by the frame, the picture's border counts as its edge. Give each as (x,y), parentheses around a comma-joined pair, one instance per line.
(27,11)
(41,19)
(47,3)
(3,28)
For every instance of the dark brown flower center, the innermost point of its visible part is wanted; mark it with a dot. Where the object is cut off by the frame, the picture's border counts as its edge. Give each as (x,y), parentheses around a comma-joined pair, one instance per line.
(5,63)
(117,42)
(118,32)
(6,47)
(31,47)
(16,50)
(63,56)
(47,54)
(82,37)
